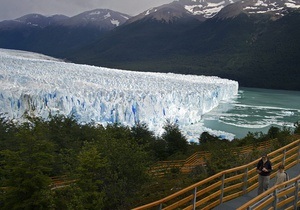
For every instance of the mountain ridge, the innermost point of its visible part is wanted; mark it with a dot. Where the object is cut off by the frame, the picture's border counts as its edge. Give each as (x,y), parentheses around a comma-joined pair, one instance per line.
(58,34)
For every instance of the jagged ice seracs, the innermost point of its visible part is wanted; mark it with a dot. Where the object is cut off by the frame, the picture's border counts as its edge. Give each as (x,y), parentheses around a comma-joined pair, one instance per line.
(39,85)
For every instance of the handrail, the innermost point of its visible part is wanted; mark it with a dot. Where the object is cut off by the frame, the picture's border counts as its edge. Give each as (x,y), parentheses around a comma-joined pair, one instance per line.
(225,185)
(56,182)
(60,181)
(277,196)
(196,159)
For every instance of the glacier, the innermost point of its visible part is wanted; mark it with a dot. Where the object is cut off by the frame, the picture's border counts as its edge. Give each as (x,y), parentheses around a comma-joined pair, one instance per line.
(39,85)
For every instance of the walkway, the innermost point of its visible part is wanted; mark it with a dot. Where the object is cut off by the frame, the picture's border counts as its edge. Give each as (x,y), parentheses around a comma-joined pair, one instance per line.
(237,202)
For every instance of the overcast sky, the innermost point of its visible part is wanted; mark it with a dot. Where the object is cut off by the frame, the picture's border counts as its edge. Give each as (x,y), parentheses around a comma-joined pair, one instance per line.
(11,9)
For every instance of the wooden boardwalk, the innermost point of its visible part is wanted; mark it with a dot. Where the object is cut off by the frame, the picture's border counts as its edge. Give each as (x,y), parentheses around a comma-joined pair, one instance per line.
(233,188)
(239,201)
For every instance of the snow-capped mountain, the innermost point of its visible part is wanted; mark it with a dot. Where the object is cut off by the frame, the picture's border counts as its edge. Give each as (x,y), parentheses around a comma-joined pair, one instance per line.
(41,21)
(102,18)
(40,85)
(166,13)
(58,34)
(275,8)
(205,9)
(198,9)
(31,21)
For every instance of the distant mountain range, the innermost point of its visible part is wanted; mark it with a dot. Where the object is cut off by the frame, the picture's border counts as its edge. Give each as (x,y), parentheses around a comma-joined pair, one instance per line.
(255,42)
(58,34)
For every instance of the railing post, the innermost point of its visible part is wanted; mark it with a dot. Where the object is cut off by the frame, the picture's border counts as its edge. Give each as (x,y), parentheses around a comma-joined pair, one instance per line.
(160,206)
(284,156)
(245,181)
(299,152)
(222,188)
(195,198)
(296,192)
(275,200)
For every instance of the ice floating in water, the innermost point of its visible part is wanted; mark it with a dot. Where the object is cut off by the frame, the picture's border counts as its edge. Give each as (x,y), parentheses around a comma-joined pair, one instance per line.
(243,114)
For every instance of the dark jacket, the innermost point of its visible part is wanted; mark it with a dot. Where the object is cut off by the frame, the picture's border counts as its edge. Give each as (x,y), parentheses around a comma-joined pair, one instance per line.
(267,165)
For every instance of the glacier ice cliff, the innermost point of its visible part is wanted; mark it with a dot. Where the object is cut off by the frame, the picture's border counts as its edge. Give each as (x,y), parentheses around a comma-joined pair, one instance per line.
(40,85)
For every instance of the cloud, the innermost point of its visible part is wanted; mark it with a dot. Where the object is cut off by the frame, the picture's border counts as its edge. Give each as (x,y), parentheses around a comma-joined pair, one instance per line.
(11,9)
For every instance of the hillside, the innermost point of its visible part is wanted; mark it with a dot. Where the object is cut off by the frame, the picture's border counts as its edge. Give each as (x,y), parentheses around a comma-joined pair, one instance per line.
(255,50)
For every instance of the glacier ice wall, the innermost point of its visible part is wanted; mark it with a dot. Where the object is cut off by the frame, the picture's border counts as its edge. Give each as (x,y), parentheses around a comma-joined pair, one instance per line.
(39,85)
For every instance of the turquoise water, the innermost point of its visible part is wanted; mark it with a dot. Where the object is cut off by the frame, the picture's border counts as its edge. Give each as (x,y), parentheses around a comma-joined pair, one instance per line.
(254,110)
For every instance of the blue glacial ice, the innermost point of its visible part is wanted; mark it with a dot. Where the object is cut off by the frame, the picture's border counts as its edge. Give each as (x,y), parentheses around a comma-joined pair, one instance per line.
(40,85)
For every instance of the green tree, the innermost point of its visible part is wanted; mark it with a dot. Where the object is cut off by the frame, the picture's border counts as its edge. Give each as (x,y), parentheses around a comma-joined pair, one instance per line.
(222,157)
(176,142)
(283,135)
(205,137)
(118,131)
(26,172)
(68,198)
(147,140)
(273,132)
(91,172)
(142,135)
(7,133)
(127,166)
(127,172)
(159,148)
(67,136)
(65,132)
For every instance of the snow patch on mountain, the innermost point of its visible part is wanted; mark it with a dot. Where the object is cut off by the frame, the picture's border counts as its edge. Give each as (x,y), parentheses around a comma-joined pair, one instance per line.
(292,4)
(205,9)
(207,12)
(202,10)
(277,7)
(115,22)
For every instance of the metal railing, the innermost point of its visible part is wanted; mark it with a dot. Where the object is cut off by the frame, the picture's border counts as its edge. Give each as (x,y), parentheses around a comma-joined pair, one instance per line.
(162,168)
(225,185)
(285,195)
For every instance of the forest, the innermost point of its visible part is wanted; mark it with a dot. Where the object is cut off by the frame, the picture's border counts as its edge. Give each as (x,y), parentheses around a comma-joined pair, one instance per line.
(105,167)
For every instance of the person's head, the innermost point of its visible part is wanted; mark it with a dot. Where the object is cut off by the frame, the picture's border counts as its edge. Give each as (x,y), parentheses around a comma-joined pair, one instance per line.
(264,157)
(281,167)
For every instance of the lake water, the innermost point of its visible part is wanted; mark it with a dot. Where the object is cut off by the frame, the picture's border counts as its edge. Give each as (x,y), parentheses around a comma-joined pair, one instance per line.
(253,110)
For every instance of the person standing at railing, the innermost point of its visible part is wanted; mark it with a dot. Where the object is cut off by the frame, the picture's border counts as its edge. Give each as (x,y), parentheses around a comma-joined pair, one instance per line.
(281,177)
(264,169)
